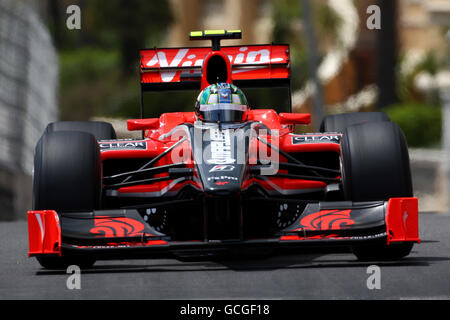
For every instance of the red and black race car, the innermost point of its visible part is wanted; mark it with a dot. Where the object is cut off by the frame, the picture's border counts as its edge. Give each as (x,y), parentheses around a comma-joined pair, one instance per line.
(224,177)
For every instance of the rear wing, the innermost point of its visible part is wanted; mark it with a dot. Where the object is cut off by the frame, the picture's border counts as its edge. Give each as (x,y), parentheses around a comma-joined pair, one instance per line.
(182,68)
(252,66)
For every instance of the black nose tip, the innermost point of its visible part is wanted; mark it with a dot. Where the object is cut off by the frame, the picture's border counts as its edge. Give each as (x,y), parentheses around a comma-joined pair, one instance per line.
(222,188)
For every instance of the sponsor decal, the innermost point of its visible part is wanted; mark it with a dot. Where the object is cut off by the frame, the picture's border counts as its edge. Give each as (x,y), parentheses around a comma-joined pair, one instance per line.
(367,237)
(316,139)
(117,227)
(222,183)
(327,220)
(334,236)
(222,178)
(221,152)
(222,168)
(123,145)
(190,57)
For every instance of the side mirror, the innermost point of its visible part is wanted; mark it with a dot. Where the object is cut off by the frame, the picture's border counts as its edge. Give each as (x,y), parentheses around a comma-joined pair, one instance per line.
(143,124)
(294,118)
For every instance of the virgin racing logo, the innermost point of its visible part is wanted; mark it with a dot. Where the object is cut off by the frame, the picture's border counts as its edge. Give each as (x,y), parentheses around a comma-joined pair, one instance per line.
(182,58)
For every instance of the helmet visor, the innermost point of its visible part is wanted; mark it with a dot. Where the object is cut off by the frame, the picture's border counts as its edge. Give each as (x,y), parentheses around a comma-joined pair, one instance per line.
(222,112)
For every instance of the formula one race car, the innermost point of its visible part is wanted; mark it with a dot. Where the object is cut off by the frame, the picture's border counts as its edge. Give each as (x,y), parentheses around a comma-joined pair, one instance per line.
(224,177)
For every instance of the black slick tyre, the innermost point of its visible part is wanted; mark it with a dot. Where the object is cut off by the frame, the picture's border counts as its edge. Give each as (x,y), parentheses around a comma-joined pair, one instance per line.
(67,178)
(375,162)
(339,122)
(99,129)
(375,166)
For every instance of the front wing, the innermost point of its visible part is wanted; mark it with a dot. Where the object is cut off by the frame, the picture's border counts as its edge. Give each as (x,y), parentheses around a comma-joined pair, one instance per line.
(112,234)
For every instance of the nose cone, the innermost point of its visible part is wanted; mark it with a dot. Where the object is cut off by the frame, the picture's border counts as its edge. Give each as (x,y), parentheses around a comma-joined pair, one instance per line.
(222,185)
(221,159)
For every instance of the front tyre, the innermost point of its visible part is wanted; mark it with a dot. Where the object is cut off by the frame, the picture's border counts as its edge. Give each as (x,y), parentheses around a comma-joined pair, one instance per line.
(375,162)
(375,166)
(61,263)
(67,178)
(383,252)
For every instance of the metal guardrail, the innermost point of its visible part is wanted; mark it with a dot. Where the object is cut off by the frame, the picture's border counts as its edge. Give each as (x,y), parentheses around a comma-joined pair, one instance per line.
(28,83)
(28,100)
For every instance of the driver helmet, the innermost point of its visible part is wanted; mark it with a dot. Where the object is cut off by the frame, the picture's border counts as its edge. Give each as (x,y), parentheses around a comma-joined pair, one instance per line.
(221,102)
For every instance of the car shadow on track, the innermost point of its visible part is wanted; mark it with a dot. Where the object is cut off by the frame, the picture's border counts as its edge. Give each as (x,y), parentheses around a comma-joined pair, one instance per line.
(246,264)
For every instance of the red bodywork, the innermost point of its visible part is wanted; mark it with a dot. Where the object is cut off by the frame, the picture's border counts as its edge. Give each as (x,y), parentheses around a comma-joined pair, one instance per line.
(245,63)
(168,121)
(44,233)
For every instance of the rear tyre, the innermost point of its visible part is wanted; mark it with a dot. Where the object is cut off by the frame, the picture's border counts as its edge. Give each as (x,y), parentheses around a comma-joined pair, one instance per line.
(67,178)
(375,166)
(99,129)
(339,122)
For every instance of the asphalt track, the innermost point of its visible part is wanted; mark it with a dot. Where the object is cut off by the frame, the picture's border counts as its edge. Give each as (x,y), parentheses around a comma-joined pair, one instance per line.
(422,275)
